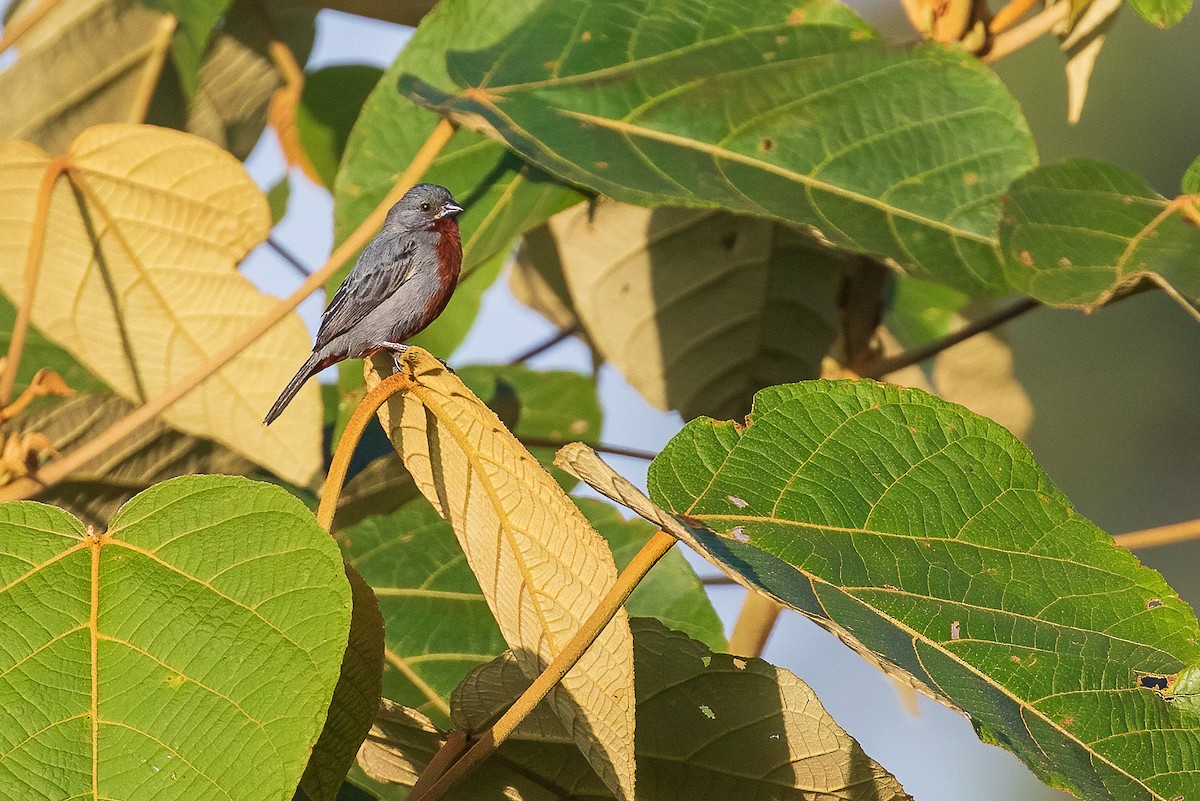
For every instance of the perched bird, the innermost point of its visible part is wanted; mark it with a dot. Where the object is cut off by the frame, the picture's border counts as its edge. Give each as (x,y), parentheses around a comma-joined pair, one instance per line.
(400,284)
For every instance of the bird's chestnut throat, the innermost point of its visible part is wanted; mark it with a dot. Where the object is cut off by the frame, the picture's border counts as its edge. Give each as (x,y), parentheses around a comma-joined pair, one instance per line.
(449,262)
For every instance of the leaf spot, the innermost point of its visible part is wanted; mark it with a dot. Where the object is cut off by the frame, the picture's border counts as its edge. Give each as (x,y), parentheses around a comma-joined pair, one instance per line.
(175,681)
(578,426)
(970,178)
(766,144)
(1154,603)
(796,17)
(736,501)
(1068,721)
(586,36)
(956,630)
(601,165)
(708,713)
(1025,258)
(740,664)
(1064,262)
(739,534)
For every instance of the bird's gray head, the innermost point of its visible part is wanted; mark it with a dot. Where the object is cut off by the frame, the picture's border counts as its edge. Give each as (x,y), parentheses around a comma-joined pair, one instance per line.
(422,206)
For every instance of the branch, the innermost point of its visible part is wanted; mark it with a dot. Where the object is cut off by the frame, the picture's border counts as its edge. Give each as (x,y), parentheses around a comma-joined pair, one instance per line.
(1161,535)
(615,450)
(1012,40)
(288,256)
(33,263)
(541,348)
(881,367)
(754,625)
(434,787)
(59,469)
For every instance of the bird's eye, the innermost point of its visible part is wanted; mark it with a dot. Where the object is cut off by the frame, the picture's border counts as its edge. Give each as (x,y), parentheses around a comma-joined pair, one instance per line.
(424,206)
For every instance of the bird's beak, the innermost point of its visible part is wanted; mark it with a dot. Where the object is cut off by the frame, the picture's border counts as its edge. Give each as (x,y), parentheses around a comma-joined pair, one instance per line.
(450,210)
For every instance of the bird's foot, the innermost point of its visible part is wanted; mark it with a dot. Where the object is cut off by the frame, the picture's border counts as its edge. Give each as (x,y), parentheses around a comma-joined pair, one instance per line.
(397,349)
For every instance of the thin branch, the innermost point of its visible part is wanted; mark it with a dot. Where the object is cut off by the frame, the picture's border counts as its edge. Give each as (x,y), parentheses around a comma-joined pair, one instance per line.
(484,746)
(718,581)
(288,256)
(881,367)
(1013,40)
(33,263)
(542,347)
(1161,535)
(615,450)
(754,624)
(60,468)
(1006,16)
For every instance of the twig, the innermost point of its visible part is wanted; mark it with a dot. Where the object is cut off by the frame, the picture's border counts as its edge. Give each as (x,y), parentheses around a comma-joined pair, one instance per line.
(60,468)
(718,581)
(288,256)
(881,367)
(615,450)
(651,552)
(542,347)
(21,25)
(33,262)
(1161,535)
(754,625)
(1006,16)
(1012,40)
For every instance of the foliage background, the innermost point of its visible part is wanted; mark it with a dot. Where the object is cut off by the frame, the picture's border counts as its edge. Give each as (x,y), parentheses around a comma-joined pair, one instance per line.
(1115,393)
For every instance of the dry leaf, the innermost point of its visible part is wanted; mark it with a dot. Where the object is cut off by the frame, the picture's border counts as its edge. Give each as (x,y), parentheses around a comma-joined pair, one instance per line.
(1082,44)
(44,382)
(138,281)
(22,453)
(542,567)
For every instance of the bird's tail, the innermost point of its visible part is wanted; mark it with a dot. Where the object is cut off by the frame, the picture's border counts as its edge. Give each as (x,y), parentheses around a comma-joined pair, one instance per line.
(307,370)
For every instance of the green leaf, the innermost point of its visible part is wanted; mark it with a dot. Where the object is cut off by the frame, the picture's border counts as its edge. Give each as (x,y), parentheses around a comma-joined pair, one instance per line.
(329,105)
(1163,13)
(556,407)
(919,312)
(40,352)
(188,652)
(1191,179)
(153,453)
(437,622)
(710,725)
(194,23)
(896,153)
(277,198)
(926,536)
(1081,233)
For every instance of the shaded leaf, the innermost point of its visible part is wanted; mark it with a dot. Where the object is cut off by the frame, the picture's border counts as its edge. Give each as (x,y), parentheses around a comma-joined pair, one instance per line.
(1191,179)
(194,22)
(1081,233)
(901,154)
(926,536)
(438,623)
(329,105)
(129,653)
(544,568)
(355,699)
(137,281)
(403,12)
(69,76)
(698,309)
(153,453)
(277,199)
(40,352)
(383,486)
(536,278)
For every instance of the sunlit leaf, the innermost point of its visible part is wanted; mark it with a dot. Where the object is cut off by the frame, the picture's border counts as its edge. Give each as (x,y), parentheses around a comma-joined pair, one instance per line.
(542,568)
(189,651)
(899,153)
(137,281)
(329,105)
(1081,233)
(926,536)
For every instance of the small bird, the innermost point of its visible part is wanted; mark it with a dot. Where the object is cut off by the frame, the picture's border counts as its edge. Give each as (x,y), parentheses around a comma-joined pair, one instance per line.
(400,284)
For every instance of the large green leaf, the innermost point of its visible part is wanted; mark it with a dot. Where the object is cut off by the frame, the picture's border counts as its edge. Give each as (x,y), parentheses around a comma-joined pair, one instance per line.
(329,105)
(710,725)
(194,23)
(437,622)
(188,652)
(927,537)
(1163,13)
(789,111)
(1080,233)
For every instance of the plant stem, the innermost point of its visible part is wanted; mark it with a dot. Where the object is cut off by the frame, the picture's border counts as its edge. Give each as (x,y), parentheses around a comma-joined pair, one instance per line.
(33,264)
(288,256)
(651,552)
(60,468)
(1011,12)
(1161,535)
(754,625)
(615,450)
(881,367)
(350,436)
(542,347)
(1012,40)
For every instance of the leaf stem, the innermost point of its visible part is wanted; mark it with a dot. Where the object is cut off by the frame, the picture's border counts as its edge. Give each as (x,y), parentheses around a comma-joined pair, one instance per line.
(881,367)
(482,748)
(615,450)
(33,263)
(754,625)
(60,468)
(1161,535)
(542,347)
(1013,40)
(350,436)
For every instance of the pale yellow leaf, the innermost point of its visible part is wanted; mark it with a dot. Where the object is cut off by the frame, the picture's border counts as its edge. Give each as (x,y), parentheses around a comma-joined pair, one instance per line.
(698,308)
(85,62)
(536,278)
(542,567)
(399,745)
(1082,45)
(138,281)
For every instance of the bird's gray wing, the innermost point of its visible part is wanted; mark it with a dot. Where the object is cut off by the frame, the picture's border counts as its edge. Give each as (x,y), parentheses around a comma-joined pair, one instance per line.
(380,271)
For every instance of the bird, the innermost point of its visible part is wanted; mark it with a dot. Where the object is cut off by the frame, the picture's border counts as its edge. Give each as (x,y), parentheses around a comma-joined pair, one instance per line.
(399,285)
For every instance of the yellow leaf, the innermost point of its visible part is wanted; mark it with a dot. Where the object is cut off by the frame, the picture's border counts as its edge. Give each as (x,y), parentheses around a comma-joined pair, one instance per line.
(142,233)
(542,567)
(70,73)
